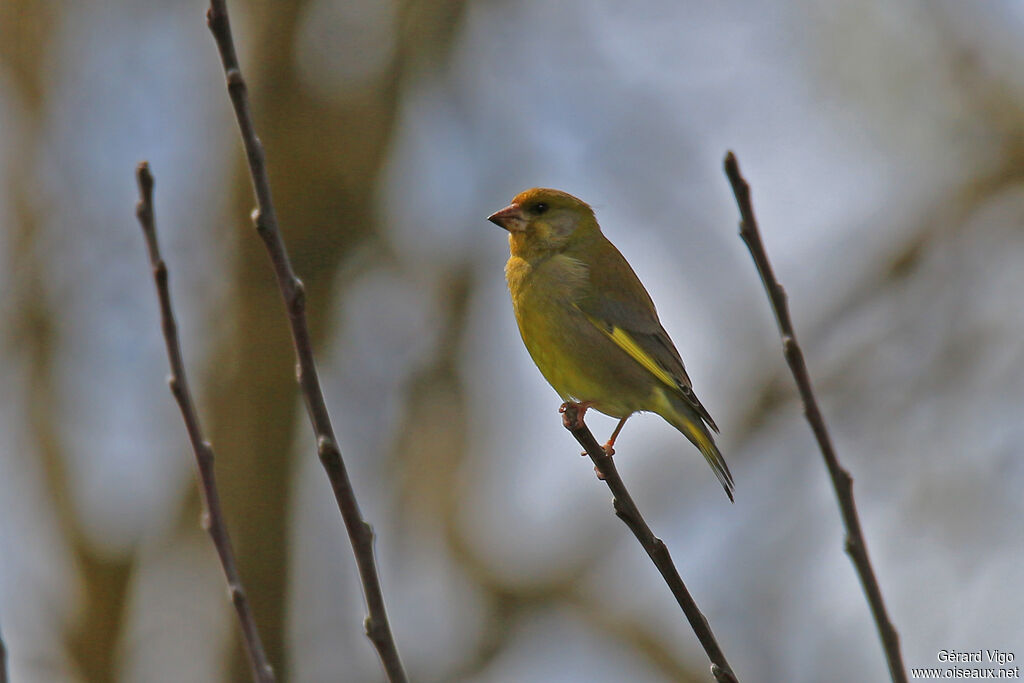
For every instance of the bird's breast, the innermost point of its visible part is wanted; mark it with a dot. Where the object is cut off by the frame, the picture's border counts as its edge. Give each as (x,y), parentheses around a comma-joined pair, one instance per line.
(543,297)
(558,277)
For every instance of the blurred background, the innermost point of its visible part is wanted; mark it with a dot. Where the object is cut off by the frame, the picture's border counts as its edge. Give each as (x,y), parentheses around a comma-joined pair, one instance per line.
(885,146)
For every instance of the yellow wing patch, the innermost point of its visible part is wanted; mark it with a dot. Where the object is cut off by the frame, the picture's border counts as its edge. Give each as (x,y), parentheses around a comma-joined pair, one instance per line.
(625,342)
(684,424)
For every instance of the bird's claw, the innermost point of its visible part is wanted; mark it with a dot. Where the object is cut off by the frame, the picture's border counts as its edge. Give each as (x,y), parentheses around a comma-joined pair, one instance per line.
(581,410)
(608,450)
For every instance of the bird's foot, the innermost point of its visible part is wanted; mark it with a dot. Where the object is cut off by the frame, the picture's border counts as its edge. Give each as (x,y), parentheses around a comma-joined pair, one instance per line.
(607,448)
(607,451)
(581,410)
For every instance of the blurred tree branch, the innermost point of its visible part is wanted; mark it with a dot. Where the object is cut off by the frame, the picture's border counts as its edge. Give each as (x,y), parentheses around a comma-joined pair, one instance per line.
(842,482)
(265,218)
(627,511)
(213,519)
(96,623)
(634,631)
(96,627)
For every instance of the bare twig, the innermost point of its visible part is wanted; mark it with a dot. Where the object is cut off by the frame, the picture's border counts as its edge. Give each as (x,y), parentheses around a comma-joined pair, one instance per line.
(627,511)
(3,661)
(842,482)
(265,218)
(213,519)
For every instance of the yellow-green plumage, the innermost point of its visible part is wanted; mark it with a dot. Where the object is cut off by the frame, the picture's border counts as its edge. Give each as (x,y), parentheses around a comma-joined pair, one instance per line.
(590,325)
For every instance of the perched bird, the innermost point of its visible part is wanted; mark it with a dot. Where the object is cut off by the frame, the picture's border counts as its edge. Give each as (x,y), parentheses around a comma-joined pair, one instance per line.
(590,325)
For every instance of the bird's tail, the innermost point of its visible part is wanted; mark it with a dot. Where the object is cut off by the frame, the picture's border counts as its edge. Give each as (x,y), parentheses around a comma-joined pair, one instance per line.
(684,418)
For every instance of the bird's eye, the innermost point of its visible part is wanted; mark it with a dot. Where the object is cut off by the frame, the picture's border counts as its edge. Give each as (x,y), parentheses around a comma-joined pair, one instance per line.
(539,208)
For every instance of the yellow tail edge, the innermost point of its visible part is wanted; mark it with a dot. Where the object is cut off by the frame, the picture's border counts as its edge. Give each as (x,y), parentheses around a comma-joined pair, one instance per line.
(684,418)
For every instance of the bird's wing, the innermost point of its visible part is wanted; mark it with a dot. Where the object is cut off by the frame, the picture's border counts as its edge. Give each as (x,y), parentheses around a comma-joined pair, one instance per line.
(619,306)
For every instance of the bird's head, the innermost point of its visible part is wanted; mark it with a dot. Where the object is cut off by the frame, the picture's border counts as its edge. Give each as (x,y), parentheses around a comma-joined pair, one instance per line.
(543,221)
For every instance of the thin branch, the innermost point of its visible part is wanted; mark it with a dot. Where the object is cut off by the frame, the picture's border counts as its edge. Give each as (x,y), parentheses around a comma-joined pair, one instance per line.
(842,482)
(265,218)
(213,519)
(627,511)
(3,661)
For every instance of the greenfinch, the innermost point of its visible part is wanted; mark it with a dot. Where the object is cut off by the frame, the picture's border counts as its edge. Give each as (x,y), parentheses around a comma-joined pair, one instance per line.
(589,324)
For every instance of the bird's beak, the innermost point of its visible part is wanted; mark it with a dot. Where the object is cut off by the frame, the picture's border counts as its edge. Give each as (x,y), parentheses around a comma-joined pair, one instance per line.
(511,218)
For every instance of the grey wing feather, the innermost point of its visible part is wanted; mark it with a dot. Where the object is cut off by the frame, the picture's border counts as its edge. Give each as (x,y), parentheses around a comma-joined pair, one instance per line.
(632,310)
